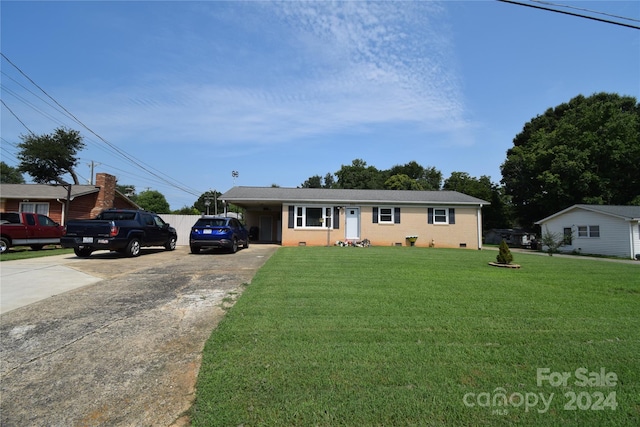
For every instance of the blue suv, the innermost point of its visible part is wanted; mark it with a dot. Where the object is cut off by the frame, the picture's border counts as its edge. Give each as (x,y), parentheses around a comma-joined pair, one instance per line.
(218,232)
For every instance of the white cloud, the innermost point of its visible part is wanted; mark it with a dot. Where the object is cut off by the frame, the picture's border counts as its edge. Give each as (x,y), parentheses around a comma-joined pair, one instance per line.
(352,65)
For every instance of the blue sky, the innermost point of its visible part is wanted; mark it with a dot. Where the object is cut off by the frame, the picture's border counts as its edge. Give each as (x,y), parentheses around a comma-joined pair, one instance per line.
(281,91)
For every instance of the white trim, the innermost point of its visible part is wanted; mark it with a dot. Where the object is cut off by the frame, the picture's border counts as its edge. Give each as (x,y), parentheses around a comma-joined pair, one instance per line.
(480,227)
(303,217)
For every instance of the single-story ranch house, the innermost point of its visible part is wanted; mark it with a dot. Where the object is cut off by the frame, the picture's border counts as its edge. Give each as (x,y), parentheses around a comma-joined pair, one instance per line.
(86,200)
(597,229)
(321,217)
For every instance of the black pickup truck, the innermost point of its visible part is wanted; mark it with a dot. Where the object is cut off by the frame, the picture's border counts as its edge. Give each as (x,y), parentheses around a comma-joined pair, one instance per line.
(120,230)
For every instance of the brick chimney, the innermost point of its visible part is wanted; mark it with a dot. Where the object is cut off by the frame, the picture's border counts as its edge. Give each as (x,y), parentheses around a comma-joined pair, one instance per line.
(107,193)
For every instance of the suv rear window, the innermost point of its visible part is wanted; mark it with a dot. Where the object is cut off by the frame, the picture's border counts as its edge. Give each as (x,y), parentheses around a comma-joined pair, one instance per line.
(211,222)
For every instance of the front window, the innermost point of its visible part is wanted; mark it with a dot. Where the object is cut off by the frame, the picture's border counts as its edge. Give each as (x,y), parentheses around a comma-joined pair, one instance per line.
(385,215)
(314,216)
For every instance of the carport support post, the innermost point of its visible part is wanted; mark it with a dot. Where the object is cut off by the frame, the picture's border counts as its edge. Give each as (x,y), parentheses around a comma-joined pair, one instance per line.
(65,212)
(66,205)
(328,232)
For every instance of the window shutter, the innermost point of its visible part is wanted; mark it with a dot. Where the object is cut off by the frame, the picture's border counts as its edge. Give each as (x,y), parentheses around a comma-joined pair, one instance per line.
(375,215)
(292,216)
(396,215)
(336,218)
(430,215)
(452,216)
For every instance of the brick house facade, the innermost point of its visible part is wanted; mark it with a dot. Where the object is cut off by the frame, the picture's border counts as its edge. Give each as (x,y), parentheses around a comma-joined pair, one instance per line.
(86,200)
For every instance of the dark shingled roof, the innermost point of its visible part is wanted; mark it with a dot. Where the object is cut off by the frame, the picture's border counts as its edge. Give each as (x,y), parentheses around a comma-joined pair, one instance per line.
(44,191)
(281,194)
(616,210)
(629,213)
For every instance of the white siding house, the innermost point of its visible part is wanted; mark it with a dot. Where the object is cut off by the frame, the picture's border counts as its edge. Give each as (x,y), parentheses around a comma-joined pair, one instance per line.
(597,229)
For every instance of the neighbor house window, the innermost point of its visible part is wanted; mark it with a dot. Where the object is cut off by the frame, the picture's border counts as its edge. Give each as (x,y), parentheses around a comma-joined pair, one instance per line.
(40,208)
(314,216)
(440,216)
(589,231)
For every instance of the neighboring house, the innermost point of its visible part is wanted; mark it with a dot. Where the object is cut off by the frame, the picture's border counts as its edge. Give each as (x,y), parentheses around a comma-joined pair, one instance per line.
(597,229)
(515,237)
(320,217)
(86,200)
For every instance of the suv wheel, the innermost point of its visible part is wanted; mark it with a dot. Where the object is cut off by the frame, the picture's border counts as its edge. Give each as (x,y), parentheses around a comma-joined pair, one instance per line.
(171,244)
(133,248)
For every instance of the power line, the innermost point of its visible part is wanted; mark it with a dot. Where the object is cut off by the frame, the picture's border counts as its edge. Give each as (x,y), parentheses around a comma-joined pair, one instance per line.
(586,10)
(594,18)
(150,170)
(14,115)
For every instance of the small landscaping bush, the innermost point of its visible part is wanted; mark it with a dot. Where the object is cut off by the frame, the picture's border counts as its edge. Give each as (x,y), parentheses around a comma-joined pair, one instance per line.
(504,254)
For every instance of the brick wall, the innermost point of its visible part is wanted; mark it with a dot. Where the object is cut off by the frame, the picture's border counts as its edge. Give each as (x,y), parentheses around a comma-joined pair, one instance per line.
(107,193)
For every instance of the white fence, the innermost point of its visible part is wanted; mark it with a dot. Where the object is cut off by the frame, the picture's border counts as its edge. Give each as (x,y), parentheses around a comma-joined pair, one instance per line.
(182,224)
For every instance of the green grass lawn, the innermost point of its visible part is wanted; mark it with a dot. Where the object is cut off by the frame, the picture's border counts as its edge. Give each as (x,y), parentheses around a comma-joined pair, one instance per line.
(25,252)
(391,336)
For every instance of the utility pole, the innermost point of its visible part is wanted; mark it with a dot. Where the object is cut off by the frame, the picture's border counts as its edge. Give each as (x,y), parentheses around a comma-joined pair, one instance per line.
(92,165)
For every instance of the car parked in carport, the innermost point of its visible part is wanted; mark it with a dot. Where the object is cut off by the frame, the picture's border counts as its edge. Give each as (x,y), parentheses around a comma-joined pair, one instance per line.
(218,232)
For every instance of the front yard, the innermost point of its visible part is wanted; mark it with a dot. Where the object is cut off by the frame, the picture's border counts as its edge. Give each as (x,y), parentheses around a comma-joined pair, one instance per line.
(418,336)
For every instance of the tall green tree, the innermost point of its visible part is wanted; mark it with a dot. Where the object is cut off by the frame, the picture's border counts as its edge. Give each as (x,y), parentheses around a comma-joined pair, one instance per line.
(314,181)
(127,190)
(584,151)
(410,176)
(329,181)
(428,178)
(359,176)
(154,201)
(47,158)
(402,182)
(10,175)
(213,197)
(494,215)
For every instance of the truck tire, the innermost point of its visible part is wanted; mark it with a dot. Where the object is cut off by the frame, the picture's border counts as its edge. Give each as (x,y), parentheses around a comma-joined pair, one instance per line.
(133,248)
(4,245)
(195,249)
(171,244)
(82,252)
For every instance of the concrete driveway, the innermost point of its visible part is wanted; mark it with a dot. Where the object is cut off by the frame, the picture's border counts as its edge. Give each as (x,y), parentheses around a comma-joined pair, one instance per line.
(123,346)
(23,282)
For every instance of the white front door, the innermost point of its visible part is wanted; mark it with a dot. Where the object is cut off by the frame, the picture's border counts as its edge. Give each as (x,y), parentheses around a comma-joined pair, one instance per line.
(352,223)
